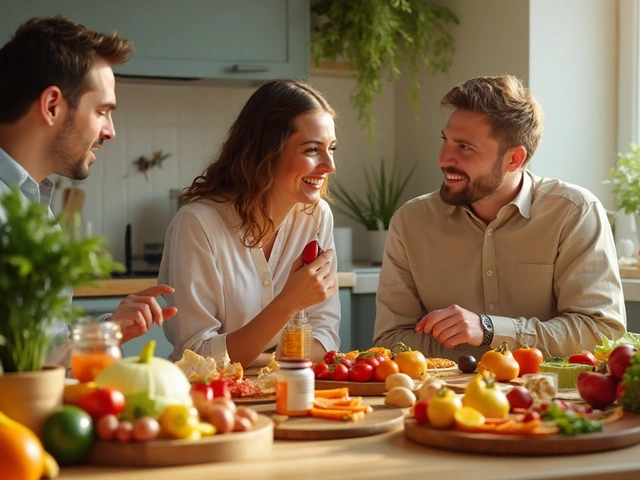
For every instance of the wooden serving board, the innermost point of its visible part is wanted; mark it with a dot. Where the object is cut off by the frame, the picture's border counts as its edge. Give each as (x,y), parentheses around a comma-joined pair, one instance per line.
(357,389)
(382,419)
(163,453)
(254,400)
(622,433)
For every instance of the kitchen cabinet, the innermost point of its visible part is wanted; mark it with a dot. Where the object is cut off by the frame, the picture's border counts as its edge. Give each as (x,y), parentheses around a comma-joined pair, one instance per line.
(253,40)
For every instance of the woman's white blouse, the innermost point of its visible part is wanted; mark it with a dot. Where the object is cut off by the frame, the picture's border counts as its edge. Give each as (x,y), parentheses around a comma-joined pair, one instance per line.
(221,285)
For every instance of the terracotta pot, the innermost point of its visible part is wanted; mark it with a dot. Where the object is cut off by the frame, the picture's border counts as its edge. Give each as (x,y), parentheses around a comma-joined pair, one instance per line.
(30,397)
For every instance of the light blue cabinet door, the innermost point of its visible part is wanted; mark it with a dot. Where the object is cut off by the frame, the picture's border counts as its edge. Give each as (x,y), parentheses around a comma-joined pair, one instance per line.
(227,39)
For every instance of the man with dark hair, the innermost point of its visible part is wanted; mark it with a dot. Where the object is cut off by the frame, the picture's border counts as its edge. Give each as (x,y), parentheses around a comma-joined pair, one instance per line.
(57,92)
(498,254)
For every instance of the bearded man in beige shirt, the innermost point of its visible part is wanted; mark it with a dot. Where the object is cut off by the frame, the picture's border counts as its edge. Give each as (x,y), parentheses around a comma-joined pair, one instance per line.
(498,254)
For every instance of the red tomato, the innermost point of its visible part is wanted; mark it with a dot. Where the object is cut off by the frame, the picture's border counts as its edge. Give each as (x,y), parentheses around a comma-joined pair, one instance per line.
(101,402)
(420,410)
(620,359)
(597,389)
(311,252)
(361,372)
(220,389)
(331,357)
(586,358)
(339,372)
(319,369)
(529,360)
(345,361)
(203,390)
(373,361)
(531,415)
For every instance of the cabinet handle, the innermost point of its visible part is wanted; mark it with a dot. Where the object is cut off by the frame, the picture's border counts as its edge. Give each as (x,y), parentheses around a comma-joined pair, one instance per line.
(248,68)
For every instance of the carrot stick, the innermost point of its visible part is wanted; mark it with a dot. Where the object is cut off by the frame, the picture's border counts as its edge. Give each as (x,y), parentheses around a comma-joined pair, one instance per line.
(336,414)
(332,393)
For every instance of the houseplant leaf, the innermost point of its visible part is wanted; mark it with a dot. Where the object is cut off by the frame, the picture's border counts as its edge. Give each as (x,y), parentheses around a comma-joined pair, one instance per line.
(39,266)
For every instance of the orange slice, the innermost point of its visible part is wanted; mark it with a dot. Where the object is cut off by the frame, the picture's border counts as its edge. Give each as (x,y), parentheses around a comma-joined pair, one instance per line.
(468,418)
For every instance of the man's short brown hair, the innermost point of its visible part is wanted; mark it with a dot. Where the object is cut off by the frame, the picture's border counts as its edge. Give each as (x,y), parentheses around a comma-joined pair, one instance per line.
(514,115)
(52,51)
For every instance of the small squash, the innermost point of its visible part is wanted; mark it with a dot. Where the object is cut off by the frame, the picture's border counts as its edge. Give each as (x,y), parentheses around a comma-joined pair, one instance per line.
(149,384)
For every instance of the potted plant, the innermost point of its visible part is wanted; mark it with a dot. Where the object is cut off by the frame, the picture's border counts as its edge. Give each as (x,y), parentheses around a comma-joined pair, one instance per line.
(382,198)
(376,36)
(38,264)
(626,187)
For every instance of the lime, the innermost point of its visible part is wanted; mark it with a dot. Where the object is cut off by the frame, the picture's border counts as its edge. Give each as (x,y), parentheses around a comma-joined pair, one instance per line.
(68,435)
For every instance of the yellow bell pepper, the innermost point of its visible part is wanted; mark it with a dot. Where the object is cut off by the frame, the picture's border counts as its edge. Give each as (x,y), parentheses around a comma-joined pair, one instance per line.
(484,394)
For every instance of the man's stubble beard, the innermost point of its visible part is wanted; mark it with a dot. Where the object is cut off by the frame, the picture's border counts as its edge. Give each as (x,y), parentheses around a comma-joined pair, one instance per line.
(480,188)
(70,161)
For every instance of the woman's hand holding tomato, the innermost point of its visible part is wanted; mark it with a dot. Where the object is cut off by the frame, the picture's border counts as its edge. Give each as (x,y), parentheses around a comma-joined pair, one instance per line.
(311,284)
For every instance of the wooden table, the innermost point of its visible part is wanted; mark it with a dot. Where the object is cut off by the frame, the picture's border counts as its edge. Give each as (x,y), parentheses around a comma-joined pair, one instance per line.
(387,456)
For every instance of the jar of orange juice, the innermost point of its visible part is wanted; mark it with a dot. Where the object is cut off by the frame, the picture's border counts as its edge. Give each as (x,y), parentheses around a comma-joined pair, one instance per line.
(95,346)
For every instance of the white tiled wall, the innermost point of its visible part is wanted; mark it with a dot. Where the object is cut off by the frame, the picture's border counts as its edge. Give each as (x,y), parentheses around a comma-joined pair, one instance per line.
(190,122)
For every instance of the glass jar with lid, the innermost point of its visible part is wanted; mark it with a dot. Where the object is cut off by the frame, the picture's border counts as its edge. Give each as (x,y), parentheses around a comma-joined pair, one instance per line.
(296,342)
(96,345)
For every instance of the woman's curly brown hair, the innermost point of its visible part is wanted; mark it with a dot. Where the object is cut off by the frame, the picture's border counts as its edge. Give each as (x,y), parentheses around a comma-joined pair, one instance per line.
(244,170)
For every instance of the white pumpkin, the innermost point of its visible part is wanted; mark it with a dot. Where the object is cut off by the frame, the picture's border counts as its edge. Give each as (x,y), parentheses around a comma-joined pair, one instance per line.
(149,384)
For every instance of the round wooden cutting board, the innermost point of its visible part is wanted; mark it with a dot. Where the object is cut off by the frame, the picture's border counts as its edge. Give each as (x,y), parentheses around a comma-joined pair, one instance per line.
(254,400)
(622,433)
(382,419)
(163,453)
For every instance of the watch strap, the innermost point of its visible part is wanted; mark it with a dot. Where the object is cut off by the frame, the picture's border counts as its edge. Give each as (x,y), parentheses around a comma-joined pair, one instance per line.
(487,327)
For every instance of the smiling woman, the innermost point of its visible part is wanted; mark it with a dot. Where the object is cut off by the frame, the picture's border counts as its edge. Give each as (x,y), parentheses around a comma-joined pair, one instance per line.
(233,251)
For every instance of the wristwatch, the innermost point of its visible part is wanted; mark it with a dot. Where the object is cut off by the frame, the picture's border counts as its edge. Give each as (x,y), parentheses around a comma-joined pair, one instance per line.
(487,327)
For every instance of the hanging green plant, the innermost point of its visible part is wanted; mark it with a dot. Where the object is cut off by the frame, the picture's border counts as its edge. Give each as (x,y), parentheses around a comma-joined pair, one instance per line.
(377,35)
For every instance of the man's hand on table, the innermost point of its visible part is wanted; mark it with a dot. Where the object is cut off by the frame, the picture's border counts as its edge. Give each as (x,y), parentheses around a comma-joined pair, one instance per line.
(137,313)
(452,326)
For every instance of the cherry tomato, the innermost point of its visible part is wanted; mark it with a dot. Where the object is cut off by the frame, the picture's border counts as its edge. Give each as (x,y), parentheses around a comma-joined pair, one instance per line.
(620,359)
(531,415)
(339,372)
(311,252)
(345,361)
(331,357)
(384,369)
(597,389)
(320,369)
(361,372)
(203,390)
(101,402)
(529,360)
(420,410)
(519,397)
(220,389)
(586,358)
(373,361)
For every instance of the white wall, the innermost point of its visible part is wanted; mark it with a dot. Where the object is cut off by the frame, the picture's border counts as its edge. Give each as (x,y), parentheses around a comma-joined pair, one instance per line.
(492,39)
(566,51)
(191,121)
(573,71)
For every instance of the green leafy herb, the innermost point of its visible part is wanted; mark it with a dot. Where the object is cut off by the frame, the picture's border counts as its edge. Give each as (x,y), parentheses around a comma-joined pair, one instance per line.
(39,265)
(570,422)
(383,35)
